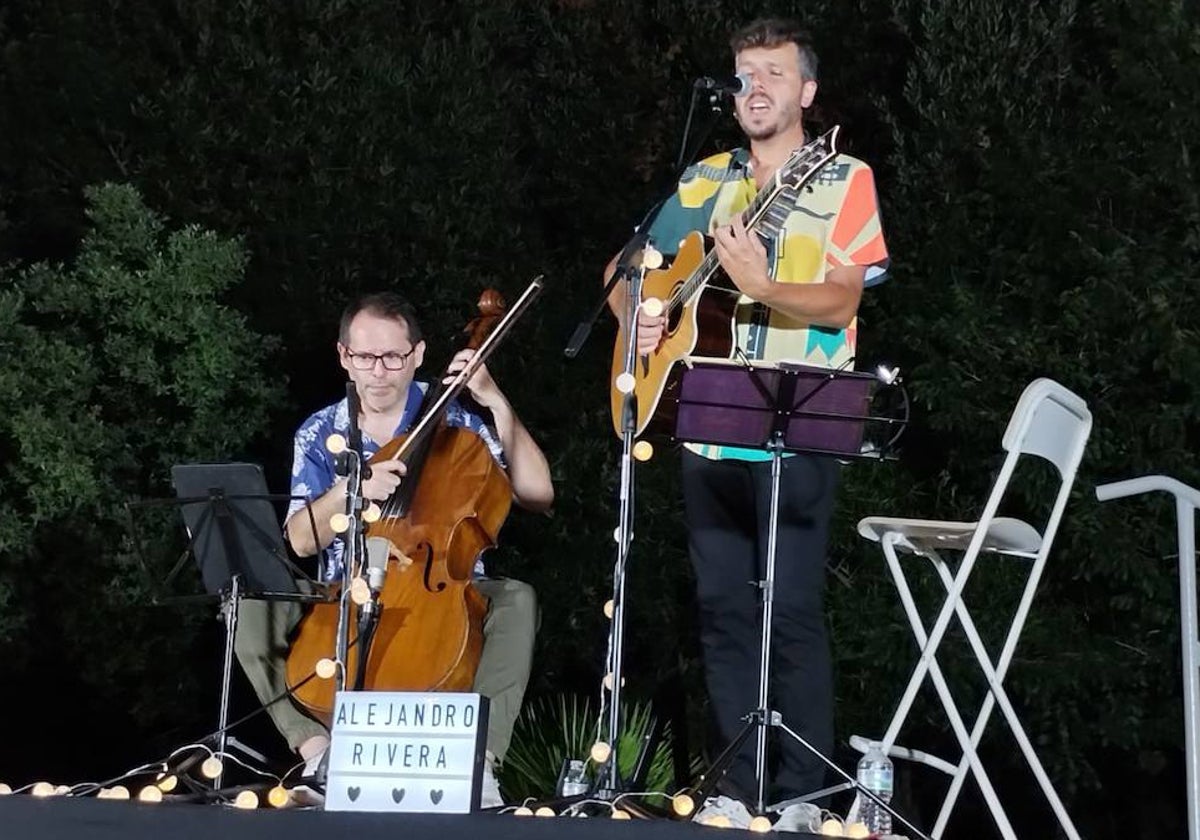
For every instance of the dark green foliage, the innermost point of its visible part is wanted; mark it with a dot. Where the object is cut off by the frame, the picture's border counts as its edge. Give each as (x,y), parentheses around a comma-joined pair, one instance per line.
(1037,173)
(118,365)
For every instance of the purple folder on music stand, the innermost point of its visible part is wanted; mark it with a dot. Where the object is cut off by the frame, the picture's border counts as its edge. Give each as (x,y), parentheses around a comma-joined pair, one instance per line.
(813,409)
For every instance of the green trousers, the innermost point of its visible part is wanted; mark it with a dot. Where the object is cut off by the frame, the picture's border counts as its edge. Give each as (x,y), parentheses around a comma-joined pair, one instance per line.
(265,627)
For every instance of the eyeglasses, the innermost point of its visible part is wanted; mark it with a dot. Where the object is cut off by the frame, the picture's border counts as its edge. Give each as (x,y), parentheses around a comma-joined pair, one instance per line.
(391,361)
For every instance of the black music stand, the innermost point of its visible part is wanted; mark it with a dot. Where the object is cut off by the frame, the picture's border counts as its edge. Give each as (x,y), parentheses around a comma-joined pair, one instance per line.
(779,408)
(235,537)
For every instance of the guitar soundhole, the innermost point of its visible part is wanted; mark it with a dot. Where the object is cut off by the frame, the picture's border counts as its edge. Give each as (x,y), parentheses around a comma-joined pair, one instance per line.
(674,313)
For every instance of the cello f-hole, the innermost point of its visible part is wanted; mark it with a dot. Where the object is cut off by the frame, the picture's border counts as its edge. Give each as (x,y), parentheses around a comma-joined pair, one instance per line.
(428,561)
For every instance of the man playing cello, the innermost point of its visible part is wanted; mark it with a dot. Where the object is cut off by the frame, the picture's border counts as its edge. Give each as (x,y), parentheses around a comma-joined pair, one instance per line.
(380,346)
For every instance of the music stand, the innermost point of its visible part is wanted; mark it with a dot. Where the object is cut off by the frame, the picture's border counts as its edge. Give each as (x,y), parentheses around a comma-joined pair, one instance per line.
(778,407)
(235,537)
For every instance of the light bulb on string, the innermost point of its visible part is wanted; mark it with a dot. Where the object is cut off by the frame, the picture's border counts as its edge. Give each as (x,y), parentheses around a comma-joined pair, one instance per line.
(832,827)
(858,830)
(62,790)
(718,821)
(608,681)
(278,796)
(643,450)
(372,513)
(150,793)
(653,307)
(247,800)
(600,752)
(326,668)
(167,783)
(340,523)
(118,792)
(609,608)
(683,804)
(652,258)
(5,790)
(523,811)
(625,383)
(336,444)
(212,767)
(618,814)
(360,591)
(544,811)
(760,824)
(42,789)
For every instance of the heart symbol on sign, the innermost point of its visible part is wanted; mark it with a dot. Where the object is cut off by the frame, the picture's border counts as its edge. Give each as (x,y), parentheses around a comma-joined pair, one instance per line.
(435,796)
(353,793)
(397,795)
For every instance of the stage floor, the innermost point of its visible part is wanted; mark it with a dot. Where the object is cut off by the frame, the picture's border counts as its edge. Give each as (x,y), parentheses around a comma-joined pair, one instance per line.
(23,816)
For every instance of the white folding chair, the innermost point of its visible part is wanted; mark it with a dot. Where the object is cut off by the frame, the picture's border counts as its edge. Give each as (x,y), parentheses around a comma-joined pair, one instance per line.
(1049,422)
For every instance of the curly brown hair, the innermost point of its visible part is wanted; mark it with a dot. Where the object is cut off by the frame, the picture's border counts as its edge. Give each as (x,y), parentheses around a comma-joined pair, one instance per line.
(773,32)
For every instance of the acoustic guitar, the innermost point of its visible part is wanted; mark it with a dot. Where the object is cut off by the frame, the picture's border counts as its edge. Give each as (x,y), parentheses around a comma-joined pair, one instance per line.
(699,309)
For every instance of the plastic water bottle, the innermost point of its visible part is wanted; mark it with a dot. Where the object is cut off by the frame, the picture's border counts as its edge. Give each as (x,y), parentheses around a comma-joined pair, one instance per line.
(876,774)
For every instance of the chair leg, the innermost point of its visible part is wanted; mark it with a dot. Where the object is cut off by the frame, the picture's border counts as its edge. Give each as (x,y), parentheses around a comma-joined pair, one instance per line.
(997,695)
(928,664)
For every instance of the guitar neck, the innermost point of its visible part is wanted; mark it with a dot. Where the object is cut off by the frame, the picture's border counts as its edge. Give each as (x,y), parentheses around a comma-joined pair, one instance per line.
(764,216)
(769,209)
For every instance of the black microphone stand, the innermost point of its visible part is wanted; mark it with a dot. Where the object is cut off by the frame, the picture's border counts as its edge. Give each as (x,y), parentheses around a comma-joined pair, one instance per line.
(356,472)
(631,265)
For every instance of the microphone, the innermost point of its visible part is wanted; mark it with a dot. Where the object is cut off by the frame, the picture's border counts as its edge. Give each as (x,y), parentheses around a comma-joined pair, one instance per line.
(377,557)
(738,85)
(353,407)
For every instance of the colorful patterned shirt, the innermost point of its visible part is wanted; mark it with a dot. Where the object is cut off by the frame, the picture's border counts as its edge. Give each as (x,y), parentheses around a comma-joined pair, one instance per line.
(314,471)
(835,223)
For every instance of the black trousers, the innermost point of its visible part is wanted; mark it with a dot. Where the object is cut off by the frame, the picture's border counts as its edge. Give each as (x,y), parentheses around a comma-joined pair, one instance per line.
(727,509)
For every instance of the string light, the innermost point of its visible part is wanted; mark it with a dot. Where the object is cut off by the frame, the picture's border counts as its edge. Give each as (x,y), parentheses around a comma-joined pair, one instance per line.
(858,830)
(618,814)
(523,811)
(278,796)
(718,821)
(544,811)
(652,258)
(360,591)
(600,752)
(336,443)
(760,825)
(212,767)
(150,793)
(118,792)
(62,790)
(326,668)
(167,783)
(5,790)
(625,383)
(832,827)
(609,608)
(43,789)
(246,800)
(643,450)
(372,513)
(683,804)
(340,523)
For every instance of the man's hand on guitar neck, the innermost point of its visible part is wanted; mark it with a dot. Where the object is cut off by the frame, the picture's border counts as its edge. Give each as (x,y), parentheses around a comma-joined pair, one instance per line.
(744,258)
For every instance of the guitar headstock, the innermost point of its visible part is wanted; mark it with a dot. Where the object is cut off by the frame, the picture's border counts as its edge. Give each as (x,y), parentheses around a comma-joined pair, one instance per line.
(808,159)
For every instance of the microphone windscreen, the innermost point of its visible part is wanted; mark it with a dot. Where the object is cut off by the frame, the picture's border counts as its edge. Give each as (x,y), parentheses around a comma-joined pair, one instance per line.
(377,552)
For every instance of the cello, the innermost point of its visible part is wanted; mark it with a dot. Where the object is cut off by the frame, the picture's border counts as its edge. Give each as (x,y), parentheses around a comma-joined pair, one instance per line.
(425,631)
